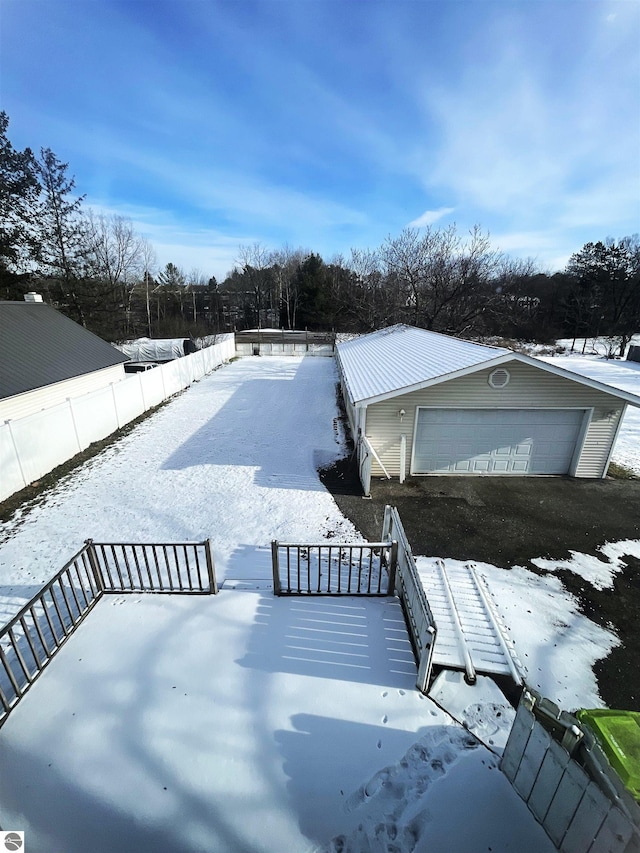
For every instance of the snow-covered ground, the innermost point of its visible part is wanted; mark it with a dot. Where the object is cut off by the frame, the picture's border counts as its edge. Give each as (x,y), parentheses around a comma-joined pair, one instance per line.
(621,374)
(245,722)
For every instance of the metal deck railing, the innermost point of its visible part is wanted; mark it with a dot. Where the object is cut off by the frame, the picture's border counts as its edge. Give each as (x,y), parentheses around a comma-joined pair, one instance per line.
(37,632)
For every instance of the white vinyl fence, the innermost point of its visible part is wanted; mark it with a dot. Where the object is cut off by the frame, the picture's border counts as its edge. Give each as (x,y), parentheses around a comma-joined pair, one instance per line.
(32,446)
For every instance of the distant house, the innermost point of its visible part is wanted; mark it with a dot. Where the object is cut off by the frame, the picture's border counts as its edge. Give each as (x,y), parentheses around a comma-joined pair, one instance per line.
(424,403)
(46,358)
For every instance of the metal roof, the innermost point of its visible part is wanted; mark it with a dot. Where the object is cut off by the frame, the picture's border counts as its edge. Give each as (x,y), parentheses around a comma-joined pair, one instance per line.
(40,346)
(400,357)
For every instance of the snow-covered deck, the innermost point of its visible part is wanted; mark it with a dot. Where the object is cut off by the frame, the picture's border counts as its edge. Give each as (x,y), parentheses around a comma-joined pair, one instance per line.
(242,722)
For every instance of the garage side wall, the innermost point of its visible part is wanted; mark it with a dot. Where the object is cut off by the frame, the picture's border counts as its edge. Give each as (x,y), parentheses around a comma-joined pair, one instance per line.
(527,388)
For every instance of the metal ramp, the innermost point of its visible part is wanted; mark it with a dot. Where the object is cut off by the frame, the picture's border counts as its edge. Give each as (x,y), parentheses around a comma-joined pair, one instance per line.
(470,636)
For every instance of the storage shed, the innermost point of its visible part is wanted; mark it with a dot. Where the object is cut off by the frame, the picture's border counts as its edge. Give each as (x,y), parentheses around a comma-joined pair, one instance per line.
(46,358)
(420,402)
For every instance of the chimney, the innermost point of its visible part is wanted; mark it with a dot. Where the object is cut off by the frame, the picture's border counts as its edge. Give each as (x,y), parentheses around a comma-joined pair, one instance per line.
(32,296)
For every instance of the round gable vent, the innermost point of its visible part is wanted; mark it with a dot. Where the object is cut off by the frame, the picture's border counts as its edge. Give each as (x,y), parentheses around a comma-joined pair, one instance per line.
(499,378)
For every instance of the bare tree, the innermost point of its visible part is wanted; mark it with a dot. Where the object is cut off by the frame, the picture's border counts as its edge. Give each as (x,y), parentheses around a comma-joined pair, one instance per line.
(443,280)
(284,265)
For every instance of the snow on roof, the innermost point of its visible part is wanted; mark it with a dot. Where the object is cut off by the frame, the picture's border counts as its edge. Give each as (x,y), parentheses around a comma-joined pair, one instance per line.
(402,356)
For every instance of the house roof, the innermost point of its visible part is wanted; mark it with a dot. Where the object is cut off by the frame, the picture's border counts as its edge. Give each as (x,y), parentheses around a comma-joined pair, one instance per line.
(40,346)
(401,359)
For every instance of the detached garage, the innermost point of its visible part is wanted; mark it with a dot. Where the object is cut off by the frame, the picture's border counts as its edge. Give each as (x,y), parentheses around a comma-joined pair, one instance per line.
(422,403)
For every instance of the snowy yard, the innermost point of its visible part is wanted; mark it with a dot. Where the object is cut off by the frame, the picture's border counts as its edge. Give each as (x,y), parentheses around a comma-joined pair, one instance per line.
(245,722)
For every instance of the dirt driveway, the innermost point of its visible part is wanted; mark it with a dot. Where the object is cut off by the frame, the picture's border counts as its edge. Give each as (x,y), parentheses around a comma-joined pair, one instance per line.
(509,521)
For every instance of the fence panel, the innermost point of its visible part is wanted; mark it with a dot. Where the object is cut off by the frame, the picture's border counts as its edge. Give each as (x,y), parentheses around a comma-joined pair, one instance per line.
(38,456)
(128,399)
(161,568)
(39,629)
(94,416)
(333,569)
(420,621)
(152,385)
(12,478)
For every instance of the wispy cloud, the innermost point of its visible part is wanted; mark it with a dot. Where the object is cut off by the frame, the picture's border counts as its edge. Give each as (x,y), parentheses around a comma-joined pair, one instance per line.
(316,125)
(430,216)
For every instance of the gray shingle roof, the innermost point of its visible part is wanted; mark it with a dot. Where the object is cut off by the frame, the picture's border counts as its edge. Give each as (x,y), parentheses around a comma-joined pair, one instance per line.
(40,346)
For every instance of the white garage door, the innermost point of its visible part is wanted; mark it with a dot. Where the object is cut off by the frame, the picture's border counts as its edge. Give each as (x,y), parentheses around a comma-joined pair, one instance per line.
(495,441)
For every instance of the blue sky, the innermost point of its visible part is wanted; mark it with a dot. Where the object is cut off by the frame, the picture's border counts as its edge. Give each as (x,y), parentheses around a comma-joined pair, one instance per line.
(332,124)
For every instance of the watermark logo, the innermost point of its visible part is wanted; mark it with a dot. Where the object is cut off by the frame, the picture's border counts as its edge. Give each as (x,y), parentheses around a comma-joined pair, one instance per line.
(13,841)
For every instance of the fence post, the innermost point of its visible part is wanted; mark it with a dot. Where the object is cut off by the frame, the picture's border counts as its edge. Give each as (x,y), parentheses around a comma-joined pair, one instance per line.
(391,568)
(211,569)
(425,666)
(95,567)
(386,524)
(275,566)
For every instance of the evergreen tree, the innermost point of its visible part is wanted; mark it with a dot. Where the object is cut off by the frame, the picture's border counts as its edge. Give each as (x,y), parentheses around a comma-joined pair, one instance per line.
(63,246)
(19,239)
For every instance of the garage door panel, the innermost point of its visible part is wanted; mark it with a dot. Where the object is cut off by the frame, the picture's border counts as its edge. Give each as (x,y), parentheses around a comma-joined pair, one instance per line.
(507,441)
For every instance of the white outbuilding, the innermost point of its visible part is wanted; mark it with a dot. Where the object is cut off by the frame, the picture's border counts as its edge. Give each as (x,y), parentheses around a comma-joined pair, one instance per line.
(420,403)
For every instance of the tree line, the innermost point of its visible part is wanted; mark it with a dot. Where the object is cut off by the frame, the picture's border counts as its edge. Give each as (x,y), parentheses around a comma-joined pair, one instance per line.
(99,271)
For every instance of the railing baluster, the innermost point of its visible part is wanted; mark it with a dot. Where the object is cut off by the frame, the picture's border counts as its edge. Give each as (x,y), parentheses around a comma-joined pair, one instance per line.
(18,654)
(10,674)
(5,703)
(81,584)
(116,563)
(166,561)
(147,567)
(65,599)
(73,592)
(350,565)
(154,551)
(127,566)
(134,554)
(107,568)
(27,634)
(39,631)
(198,572)
(370,569)
(177,565)
(57,609)
(328,568)
(186,559)
(319,570)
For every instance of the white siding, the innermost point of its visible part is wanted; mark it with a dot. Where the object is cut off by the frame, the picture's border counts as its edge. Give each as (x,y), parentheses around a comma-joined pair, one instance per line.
(528,388)
(21,405)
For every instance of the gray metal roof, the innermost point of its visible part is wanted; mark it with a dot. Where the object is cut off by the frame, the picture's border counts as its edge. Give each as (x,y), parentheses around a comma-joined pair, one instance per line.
(40,346)
(400,357)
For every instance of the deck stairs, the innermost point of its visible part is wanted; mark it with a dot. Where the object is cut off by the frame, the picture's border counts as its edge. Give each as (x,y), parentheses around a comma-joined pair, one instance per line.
(471,637)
